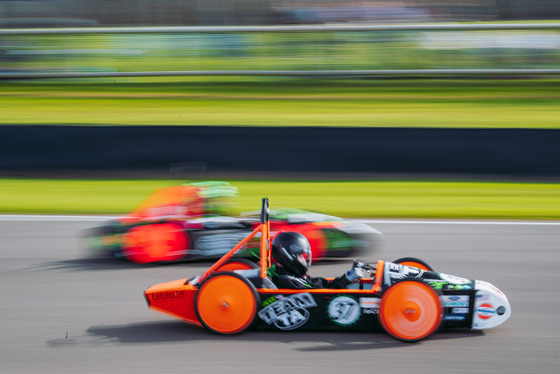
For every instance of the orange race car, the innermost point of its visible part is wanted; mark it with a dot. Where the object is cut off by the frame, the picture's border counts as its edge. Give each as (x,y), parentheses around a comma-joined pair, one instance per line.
(190,222)
(407,298)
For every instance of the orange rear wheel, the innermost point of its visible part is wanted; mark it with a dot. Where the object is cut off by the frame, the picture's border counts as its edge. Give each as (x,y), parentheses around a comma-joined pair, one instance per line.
(226,303)
(237,264)
(410,311)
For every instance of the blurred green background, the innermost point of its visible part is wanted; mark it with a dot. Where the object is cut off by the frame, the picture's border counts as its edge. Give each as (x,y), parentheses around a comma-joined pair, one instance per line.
(451,100)
(292,51)
(472,103)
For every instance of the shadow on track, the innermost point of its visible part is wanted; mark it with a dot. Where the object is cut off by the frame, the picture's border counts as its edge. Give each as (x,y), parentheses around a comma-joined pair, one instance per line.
(94,263)
(172,331)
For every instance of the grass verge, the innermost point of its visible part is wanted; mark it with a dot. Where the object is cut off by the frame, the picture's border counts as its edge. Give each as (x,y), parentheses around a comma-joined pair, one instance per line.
(382,199)
(507,103)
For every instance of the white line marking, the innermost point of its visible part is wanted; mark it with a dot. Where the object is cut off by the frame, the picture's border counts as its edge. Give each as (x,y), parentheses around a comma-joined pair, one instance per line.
(53,218)
(461,222)
(68,218)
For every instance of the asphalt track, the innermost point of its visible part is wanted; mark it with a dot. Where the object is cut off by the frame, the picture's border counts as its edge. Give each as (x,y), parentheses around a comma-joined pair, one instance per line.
(63,313)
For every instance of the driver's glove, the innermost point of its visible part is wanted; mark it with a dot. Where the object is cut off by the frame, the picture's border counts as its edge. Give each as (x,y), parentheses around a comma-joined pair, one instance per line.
(355,274)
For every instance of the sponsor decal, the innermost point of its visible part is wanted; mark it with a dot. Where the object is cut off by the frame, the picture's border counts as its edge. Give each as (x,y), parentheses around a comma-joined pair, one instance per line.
(370,302)
(370,311)
(455,300)
(443,285)
(451,317)
(453,279)
(437,284)
(370,305)
(485,311)
(288,313)
(460,310)
(168,295)
(268,301)
(344,310)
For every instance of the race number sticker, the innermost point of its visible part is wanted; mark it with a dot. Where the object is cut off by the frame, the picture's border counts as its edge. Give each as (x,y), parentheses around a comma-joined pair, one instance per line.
(288,313)
(344,310)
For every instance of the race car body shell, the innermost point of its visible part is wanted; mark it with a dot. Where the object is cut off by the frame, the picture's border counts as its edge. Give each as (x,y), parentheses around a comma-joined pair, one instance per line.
(189,222)
(465,303)
(172,239)
(281,309)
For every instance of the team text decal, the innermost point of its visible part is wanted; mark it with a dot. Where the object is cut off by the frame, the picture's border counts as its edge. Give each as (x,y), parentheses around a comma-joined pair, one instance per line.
(288,313)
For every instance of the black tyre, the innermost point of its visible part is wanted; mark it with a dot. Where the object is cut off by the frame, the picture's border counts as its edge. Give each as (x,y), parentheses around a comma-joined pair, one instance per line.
(237,263)
(414,262)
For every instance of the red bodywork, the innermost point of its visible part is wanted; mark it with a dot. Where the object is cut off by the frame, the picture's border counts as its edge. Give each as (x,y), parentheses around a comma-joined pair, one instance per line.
(177,298)
(180,222)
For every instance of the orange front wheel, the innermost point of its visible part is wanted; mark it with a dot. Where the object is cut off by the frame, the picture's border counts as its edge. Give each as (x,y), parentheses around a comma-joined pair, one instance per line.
(226,303)
(414,262)
(410,311)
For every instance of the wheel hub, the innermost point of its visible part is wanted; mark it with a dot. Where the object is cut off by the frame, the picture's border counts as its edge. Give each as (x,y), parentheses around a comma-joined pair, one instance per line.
(411,311)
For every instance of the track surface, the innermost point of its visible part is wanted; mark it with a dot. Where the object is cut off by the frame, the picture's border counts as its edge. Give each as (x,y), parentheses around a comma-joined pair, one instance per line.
(63,313)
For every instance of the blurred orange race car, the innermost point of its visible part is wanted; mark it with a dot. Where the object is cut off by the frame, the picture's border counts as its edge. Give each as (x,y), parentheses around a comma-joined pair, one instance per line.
(188,222)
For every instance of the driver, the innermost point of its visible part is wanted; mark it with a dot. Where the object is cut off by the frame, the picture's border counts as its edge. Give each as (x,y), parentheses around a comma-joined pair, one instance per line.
(292,253)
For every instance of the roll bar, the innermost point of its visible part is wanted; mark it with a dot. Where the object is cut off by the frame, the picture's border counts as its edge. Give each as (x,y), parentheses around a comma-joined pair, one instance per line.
(264,229)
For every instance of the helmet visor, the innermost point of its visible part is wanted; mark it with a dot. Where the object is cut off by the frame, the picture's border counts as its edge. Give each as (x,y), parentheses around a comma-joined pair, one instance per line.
(302,254)
(304,258)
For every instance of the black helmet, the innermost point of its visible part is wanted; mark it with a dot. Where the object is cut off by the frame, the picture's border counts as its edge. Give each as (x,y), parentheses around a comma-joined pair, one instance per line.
(292,250)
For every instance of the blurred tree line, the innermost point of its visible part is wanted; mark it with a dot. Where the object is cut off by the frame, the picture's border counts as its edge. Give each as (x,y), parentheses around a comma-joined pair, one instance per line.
(68,13)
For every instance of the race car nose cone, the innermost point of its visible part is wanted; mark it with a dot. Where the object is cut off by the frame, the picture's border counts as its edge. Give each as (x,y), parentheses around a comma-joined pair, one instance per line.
(491,306)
